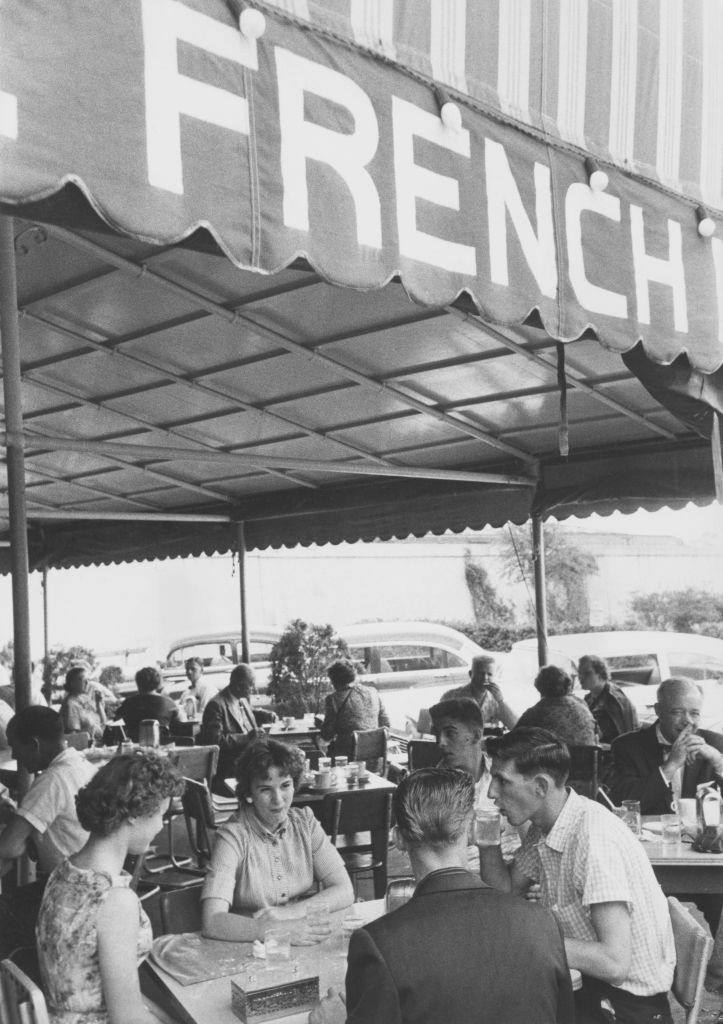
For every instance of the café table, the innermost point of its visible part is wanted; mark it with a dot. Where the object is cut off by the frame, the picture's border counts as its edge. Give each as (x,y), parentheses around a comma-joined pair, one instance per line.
(210,1000)
(300,731)
(679,868)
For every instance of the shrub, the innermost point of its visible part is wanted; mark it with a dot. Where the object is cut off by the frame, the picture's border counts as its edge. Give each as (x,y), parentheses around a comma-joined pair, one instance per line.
(299,660)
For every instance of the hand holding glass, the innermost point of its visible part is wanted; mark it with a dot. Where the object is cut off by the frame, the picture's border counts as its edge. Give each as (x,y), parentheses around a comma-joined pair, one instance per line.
(487,828)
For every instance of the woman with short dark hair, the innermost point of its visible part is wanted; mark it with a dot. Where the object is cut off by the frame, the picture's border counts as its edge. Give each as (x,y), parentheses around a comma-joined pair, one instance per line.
(92,931)
(558,711)
(268,856)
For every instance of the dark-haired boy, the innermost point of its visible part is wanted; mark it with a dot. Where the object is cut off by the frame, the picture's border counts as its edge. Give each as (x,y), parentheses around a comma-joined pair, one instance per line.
(45,821)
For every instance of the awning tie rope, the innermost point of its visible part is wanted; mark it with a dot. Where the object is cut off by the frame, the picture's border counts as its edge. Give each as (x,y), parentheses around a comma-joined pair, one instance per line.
(563,433)
(717,458)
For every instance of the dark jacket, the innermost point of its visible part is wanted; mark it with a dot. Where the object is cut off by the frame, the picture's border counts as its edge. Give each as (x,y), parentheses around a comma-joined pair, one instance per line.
(613,712)
(637,757)
(231,725)
(149,705)
(459,953)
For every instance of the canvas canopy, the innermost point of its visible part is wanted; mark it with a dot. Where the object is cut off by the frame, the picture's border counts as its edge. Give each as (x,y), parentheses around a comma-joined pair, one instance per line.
(311,270)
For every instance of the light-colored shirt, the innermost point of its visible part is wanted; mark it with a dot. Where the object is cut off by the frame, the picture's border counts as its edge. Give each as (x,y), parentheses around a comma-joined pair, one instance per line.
(202,693)
(49,806)
(252,867)
(589,857)
(492,709)
(676,782)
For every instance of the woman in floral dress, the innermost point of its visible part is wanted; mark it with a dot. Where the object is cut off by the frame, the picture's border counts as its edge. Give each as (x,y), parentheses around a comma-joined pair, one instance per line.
(92,931)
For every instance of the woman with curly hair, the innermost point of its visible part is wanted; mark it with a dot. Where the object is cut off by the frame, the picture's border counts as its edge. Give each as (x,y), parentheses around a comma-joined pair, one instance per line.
(92,931)
(267,857)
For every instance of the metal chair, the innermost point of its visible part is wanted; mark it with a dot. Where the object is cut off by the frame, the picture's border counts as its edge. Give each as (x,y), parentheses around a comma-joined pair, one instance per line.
(198,764)
(399,891)
(344,816)
(693,946)
(78,740)
(370,745)
(21,1001)
(200,821)
(422,754)
(181,910)
(585,770)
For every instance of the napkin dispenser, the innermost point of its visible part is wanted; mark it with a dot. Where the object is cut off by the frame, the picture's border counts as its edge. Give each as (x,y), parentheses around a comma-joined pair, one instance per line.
(710,830)
(272,994)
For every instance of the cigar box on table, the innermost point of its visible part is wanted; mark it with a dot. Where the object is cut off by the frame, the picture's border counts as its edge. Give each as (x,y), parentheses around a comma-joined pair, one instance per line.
(271,994)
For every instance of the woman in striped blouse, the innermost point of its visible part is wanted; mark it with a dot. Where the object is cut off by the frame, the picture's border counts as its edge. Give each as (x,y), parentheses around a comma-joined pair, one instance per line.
(267,857)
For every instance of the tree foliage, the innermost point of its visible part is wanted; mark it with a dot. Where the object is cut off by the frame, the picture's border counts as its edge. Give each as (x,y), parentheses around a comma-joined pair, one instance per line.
(567,569)
(60,659)
(299,660)
(488,609)
(683,611)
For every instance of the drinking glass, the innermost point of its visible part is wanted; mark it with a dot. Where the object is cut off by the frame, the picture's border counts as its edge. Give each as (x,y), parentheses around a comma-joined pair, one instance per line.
(341,762)
(277,944)
(487,828)
(318,913)
(324,764)
(350,922)
(670,830)
(631,816)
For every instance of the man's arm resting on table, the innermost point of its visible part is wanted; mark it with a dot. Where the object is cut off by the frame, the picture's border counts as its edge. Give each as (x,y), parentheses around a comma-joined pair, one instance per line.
(501,876)
(608,958)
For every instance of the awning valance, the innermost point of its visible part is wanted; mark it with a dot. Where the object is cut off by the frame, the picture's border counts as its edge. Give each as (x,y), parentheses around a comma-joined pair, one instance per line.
(298,144)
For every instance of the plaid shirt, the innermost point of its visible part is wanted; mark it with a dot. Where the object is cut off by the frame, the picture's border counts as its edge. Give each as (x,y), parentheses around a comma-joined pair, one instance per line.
(590,857)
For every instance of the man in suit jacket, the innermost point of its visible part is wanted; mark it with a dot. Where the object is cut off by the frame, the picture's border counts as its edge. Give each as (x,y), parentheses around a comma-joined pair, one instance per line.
(230,722)
(667,760)
(457,952)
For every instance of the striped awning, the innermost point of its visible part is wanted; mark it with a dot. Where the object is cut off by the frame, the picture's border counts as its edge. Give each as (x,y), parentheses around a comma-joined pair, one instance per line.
(638,83)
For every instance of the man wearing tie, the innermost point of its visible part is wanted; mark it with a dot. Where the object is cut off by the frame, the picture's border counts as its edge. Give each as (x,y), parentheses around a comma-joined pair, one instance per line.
(667,760)
(229,721)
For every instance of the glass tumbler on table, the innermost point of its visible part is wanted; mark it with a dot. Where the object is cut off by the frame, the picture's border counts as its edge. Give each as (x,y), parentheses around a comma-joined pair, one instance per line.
(277,946)
(630,815)
(487,828)
(670,830)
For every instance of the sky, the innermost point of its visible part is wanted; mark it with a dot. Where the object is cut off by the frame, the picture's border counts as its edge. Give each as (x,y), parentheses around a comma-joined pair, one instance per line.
(146,605)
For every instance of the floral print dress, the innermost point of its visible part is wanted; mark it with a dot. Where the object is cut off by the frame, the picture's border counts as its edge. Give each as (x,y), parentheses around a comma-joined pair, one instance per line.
(67,936)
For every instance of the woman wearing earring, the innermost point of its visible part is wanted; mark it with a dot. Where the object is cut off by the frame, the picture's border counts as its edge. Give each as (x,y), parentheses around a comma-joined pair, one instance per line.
(92,931)
(269,855)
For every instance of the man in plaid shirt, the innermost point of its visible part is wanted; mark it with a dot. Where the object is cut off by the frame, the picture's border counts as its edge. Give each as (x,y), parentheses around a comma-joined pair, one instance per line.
(592,873)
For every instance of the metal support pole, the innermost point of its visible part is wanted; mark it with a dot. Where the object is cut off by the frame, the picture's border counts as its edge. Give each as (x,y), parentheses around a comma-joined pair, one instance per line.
(10,340)
(241,552)
(538,559)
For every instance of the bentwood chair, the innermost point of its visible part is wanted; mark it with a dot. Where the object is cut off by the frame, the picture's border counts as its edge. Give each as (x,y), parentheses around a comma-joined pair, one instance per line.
(585,770)
(21,1001)
(370,745)
(198,764)
(693,946)
(344,816)
(181,910)
(422,754)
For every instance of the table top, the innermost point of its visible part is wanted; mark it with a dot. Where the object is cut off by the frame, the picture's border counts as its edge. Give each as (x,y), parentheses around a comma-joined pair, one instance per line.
(680,855)
(300,727)
(211,1000)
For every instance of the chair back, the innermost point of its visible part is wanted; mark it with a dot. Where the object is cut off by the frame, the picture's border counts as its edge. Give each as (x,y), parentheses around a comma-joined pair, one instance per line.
(78,740)
(422,754)
(356,811)
(198,763)
(693,946)
(370,745)
(180,910)
(200,821)
(21,1001)
(585,770)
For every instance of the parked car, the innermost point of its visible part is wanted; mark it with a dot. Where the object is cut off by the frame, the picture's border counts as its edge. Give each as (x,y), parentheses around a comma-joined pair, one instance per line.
(219,652)
(639,660)
(411,663)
